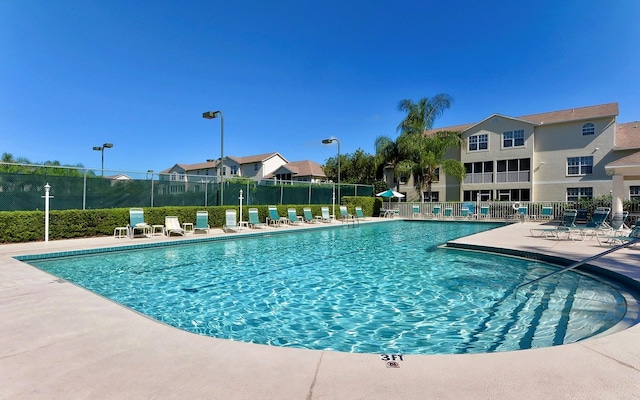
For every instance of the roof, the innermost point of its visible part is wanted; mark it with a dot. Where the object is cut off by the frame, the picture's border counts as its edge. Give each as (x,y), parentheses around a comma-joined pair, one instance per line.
(301,168)
(553,117)
(214,163)
(627,136)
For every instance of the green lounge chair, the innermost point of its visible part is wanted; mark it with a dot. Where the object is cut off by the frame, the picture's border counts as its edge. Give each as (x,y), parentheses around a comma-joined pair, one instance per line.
(546,213)
(254,219)
(231,222)
(567,222)
(344,214)
(484,212)
(359,213)
(293,217)
(597,223)
(137,224)
(172,225)
(415,209)
(308,216)
(634,235)
(274,218)
(202,222)
(435,212)
(448,212)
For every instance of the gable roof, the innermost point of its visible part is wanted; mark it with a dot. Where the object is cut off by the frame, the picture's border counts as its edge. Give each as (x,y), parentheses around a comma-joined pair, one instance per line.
(301,168)
(553,117)
(214,163)
(627,136)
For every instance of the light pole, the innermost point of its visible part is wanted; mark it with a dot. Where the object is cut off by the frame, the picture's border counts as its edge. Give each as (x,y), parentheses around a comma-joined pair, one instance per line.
(329,141)
(101,149)
(212,115)
(151,172)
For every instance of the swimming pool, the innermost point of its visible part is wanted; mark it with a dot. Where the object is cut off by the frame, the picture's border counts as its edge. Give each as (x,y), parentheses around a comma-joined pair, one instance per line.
(377,288)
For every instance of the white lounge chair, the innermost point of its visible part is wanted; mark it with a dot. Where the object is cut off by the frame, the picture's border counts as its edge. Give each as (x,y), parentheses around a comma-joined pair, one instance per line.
(231,222)
(172,225)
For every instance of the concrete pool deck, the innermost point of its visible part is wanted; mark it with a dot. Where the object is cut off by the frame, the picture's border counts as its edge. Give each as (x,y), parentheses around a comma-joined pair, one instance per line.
(59,341)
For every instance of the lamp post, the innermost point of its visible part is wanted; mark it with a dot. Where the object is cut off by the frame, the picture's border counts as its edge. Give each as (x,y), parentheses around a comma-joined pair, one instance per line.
(151,172)
(329,141)
(101,149)
(212,115)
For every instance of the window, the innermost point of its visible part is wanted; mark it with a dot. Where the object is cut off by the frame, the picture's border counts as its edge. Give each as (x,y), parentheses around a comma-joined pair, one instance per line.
(435,196)
(588,129)
(634,193)
(513,138)
(479,172)
(234,170)
(479,142)
(575,194)
(476,195)
(255,166)
(580,165)
(514,195)
(514,170)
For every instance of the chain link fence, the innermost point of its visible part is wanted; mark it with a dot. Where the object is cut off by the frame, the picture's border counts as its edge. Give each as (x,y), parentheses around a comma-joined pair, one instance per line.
(22,188)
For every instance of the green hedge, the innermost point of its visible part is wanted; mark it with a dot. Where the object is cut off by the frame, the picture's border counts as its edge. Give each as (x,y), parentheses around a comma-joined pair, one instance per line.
(28,226)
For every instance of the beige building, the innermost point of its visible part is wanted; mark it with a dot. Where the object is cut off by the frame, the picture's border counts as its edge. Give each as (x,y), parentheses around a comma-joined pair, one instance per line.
(554,156)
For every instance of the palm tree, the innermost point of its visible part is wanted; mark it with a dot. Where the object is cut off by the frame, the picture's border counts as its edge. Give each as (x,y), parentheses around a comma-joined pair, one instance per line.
(388,155)
(424,154)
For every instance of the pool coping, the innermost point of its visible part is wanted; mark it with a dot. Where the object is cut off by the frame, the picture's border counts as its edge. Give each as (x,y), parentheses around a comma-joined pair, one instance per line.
(60,341)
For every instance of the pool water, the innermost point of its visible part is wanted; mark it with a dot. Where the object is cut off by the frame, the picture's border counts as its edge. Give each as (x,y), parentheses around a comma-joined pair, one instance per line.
(376,288)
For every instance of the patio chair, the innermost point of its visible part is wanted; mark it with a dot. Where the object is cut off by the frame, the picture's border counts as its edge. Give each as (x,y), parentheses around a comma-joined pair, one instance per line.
(359,213)
(231,222)
(137,224)
(274,217)
(415,210)
(325,215)
(634,235)
(448,212)
(435,212)
(546,213)
(522,212)
(618,222)
(293,217)
(344,214)
(202,222)
(484,212)
(597,223)
(565,225)
(464,212)
(254,219)
(172,225)
(308,217)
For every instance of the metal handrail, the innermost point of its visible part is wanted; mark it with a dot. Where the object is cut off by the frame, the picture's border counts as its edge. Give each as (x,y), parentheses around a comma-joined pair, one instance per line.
(579,263)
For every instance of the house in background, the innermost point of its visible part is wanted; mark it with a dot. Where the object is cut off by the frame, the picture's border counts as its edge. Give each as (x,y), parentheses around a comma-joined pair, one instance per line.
(301,171)
(553,156)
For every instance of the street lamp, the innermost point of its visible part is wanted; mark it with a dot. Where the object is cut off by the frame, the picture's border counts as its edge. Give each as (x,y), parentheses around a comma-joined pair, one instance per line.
(150,171)
(212,115)
(329,141)
(101,149)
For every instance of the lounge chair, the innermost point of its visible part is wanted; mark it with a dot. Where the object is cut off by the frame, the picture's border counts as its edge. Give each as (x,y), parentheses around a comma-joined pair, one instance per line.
(274,218)
(293,217)
(231,222)
(359,213)
(325,215)
(618,222)
(634,235)
(597,224)
(565,225)
(416,211)
(308,216)
(344,214)
(202,222)
(522,212)
(464,212)
(254,219)
(137,224)
(172,225)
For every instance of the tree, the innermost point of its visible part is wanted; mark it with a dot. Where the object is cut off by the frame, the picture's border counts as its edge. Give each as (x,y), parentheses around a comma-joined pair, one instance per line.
(355,168)
(388,155)
(423,154)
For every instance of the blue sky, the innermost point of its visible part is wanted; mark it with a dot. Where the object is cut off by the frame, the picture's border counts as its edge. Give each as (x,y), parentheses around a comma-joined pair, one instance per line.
(78,73)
